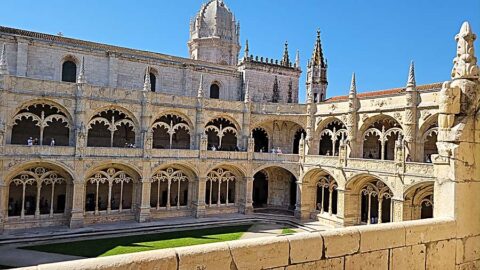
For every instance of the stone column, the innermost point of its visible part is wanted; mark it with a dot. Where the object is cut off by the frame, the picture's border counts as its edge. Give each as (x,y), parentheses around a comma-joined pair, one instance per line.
(77,217)
(303,206)
(351,209)
(396,210)
(143,214)
(247,202)
(3,205)
(340,203)
(199,200)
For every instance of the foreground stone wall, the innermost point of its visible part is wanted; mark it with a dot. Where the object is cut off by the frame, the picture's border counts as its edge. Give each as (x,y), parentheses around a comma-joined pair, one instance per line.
(426,244)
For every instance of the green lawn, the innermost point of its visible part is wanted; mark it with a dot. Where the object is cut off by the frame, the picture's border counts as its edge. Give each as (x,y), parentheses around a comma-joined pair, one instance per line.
(288,231)
(137,243)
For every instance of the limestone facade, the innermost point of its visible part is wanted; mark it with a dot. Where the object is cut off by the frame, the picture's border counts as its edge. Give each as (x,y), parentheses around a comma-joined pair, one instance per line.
(138,136)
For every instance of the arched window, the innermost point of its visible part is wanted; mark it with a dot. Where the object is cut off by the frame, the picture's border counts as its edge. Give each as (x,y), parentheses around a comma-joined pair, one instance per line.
(330,138)
(169,189)
(153,81)
(222,135)
(327,195)
(375,203)
(69,71)
(220,188)
(260,138)
(214,91)
(296,139)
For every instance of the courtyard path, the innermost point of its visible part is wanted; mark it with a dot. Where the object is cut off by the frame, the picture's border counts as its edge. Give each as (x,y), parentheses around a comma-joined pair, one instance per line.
(16,257)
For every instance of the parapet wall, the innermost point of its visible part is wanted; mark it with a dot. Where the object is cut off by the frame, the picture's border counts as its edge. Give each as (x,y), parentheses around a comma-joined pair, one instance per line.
(422,244)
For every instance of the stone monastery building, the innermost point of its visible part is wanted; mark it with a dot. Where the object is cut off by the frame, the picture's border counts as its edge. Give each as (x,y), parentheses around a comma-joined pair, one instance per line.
(145,136)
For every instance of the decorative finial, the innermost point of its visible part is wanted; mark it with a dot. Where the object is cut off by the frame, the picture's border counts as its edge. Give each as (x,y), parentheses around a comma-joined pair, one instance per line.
(411,76)
(81,76)
(3,61)
(297,59)
(465,62)
(247,93)
(353,87)
(200,87)
(147,85)
(247,50)
(285,58)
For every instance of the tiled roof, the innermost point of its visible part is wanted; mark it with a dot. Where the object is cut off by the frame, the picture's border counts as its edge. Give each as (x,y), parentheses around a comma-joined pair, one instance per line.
(387,92)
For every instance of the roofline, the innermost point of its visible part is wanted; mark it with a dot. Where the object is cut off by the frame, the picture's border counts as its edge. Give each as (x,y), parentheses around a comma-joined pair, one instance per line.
(387,92)
(106,47)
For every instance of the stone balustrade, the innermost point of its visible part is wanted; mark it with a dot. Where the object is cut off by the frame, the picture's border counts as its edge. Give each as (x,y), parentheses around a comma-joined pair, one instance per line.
(422,244)
(38,150)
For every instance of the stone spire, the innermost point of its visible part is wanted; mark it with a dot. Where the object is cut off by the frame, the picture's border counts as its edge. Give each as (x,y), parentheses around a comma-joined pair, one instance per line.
(465,62)
(3,61)
(147,85)
(247,93)
(285,58)
(297,59)
(200,88)
(81,76)
(317,56)
(246,51)
(353,88)
(411,84)
(317,70)
(276,91)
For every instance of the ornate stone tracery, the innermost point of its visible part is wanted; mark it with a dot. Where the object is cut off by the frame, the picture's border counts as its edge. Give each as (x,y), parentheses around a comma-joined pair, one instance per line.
(120,129)
(169,177)
(42,116)
(326,186)
(223,182)
(38,177)
(379,191)
(112,177)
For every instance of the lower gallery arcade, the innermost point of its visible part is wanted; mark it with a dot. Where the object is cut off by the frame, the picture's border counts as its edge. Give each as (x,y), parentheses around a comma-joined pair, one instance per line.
(45,194)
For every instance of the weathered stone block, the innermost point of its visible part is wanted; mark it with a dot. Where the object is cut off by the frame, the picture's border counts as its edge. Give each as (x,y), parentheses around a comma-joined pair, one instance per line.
(381,236)
(410,257)
(305,247)
(441,255)
(260,253)
(341,242)
(210,256)
(377,260)
(424,231)
(330,264)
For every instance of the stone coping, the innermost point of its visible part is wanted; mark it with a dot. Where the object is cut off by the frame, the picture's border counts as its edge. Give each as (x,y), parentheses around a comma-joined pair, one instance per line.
(379,246)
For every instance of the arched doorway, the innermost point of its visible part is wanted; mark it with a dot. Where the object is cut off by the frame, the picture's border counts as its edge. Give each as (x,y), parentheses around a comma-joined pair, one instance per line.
(418,201)
(260,190)
(274,190)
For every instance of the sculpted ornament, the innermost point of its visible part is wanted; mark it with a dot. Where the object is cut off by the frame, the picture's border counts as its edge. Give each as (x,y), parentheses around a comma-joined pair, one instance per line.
(449,105)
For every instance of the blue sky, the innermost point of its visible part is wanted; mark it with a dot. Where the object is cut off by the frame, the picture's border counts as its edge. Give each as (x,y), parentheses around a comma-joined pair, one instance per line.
(376,38)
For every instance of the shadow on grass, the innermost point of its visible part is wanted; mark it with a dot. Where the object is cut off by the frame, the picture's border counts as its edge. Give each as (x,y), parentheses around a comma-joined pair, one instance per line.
(137,243)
